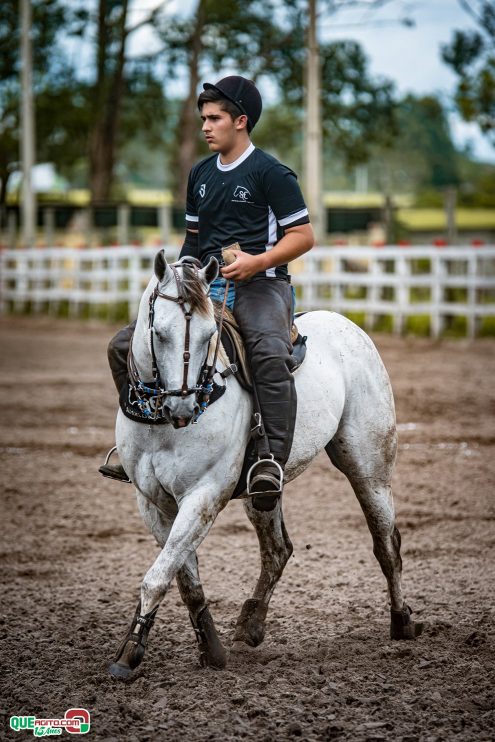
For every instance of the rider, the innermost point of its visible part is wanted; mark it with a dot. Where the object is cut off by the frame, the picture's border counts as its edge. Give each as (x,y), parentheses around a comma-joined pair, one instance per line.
(241,194)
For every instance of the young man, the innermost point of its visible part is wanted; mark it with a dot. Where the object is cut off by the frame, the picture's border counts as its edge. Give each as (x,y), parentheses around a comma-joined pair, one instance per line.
(241,194)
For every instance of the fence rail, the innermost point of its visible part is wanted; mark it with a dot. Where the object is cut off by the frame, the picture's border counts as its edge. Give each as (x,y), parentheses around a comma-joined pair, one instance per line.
(396,282)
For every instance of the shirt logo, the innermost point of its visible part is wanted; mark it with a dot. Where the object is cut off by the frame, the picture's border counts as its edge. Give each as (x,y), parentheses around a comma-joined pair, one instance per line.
(242,194)
(202,189)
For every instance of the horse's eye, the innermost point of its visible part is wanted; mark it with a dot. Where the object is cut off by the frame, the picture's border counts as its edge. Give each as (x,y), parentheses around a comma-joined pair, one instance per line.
(159,335)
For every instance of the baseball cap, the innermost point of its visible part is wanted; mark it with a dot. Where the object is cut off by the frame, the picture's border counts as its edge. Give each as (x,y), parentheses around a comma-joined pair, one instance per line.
(243,93)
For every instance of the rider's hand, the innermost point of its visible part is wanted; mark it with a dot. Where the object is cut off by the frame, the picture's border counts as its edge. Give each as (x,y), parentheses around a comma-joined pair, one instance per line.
(244,266)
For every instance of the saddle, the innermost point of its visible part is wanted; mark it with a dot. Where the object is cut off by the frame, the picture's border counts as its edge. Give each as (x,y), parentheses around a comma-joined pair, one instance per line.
(234,347)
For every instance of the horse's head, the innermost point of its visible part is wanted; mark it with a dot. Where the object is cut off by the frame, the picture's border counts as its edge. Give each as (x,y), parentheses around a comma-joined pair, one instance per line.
(182,328)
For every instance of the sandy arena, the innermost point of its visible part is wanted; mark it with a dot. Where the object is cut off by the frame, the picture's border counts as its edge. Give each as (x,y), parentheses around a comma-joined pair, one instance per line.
(75,550)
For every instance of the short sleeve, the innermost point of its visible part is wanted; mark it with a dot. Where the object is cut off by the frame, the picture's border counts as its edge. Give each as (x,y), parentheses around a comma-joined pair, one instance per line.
(284,196)
(192,219)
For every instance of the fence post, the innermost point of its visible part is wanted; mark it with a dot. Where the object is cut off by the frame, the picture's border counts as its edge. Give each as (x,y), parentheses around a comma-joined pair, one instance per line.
(401,290)
(437,293)
(472,272)
(373,293)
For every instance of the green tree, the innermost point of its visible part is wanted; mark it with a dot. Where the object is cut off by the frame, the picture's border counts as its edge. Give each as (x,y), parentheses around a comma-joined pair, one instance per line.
(471,54)
(423,157)
(52,82)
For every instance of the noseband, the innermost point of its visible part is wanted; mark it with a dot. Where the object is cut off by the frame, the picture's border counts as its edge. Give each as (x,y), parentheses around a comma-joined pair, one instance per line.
(151,398)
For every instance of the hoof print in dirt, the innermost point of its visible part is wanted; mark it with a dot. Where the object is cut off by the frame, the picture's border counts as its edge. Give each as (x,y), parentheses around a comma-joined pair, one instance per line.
(401,625)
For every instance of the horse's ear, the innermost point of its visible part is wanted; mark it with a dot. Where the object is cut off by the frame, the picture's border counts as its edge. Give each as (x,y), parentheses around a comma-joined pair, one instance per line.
(161,266)
(210,272)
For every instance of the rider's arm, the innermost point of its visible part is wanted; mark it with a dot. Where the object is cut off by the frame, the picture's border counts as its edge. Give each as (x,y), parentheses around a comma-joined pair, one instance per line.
(191,244)
(191,240)
(295,242)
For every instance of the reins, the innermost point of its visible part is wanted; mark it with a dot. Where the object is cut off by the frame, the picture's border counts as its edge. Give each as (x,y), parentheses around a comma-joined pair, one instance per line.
(151,398)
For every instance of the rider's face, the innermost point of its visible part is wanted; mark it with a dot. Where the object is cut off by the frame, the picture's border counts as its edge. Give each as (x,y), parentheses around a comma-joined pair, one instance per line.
(221,133)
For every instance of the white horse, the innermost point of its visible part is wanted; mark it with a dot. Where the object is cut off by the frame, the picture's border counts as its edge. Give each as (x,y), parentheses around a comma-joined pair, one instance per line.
(185,475)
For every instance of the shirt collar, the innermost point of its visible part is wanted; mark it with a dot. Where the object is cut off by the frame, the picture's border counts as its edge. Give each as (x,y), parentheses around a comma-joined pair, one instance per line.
(237,162)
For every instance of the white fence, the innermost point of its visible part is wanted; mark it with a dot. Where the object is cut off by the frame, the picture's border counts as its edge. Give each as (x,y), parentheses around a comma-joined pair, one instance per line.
(366,282)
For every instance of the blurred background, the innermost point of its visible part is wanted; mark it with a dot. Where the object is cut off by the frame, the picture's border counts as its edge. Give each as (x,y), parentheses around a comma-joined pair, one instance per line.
(384,108)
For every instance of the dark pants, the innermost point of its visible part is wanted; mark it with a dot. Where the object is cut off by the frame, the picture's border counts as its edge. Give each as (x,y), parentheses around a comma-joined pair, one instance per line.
(263,311)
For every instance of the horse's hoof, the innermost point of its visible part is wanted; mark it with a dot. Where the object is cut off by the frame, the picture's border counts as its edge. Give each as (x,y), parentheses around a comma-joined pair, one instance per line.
(131,652)
(249,628)
(401,625)
(212,653)
(121,672)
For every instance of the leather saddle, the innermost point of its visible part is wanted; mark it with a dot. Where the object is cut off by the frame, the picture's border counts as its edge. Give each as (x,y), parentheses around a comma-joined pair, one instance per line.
(234,347)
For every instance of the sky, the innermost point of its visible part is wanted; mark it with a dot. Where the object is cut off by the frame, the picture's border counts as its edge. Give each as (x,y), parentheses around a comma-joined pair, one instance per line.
(410,57)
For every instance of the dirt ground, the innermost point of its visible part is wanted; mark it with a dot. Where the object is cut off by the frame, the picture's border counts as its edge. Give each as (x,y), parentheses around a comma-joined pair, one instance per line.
(74,551)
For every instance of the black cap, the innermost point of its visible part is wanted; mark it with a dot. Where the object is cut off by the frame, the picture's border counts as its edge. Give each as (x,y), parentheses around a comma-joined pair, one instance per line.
(243,93)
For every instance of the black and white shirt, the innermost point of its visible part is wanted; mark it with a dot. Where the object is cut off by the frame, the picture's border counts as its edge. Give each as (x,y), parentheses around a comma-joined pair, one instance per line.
(250,201)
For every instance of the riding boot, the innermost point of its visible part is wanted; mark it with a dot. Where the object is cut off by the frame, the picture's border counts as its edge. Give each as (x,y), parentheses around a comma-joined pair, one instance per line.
(114,471)
(263,310)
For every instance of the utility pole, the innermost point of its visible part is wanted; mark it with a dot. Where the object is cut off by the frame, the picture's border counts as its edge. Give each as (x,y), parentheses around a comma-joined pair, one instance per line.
(28,205)
(312,128)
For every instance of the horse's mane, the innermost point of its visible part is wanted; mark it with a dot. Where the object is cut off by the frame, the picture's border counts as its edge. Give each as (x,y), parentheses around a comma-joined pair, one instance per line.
(193,290)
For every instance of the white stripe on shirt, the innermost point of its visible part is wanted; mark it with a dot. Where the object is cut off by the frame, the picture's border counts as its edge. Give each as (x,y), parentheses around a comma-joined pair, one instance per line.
(272,238)
(293,217)
(190,218)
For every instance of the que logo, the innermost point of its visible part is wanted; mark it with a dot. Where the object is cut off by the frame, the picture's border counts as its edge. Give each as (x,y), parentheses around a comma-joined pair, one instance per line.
(242,194)
(75,721)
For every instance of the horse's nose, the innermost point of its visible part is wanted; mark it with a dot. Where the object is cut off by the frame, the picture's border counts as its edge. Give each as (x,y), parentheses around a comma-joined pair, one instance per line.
(180,418)
(181,422)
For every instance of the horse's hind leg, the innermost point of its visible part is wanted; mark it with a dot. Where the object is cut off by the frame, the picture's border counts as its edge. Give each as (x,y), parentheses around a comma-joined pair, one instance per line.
(211,652)
(368,466)
(275,550)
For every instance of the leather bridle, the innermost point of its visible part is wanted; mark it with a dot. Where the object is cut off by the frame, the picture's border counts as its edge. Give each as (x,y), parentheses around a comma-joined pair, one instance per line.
(158,393)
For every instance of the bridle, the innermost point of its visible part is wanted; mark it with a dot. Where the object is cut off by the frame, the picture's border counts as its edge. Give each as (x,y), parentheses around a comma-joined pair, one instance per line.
(151,398)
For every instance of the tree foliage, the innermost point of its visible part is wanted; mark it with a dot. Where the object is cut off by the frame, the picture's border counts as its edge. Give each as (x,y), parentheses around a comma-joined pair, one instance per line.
(471,55)
(51,83)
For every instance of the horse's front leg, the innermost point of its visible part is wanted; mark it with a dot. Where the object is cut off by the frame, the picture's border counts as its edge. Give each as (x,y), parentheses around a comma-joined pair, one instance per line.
(196,514)
(275,550)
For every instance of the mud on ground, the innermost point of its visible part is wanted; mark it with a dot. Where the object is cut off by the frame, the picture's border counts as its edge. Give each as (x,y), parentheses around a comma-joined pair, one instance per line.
(74,551)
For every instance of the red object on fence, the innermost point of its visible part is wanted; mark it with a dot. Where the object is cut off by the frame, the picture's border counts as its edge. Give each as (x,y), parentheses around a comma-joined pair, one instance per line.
(477,243)
(378,243)
(440,243)
(404,243)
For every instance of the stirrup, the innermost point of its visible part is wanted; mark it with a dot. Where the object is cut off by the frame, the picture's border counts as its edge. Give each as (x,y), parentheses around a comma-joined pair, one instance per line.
(116,471)
(265,483)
